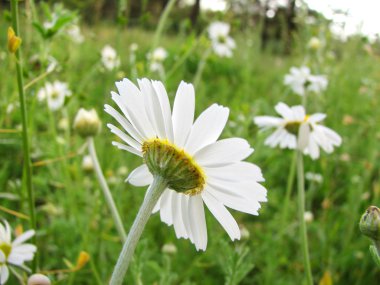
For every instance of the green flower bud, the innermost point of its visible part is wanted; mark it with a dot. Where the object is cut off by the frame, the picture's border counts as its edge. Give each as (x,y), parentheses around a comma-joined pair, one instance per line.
(370,223)
(87,123)
(177,167)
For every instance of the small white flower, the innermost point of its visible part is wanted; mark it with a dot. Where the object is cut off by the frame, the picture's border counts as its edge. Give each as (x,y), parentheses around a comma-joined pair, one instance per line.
(201,169)
(55,94)
(133,47)
(110,58)
(314,43)
(297,130)
(38,279)
(308,217)
(222,43)
(14,252)
(300,80)
(314,177)
(75,34)
(156,59)
(87,122)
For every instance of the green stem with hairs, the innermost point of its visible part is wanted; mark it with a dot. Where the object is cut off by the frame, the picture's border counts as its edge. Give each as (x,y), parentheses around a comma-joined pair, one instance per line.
(153,194)
(301,211)
(161,23)
(106,191)
(24,120)
(289,187)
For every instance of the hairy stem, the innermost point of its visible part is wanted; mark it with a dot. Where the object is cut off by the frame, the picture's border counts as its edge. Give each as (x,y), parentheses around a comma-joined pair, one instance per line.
(24,120)
(301,211)
(106,191)
(153,194)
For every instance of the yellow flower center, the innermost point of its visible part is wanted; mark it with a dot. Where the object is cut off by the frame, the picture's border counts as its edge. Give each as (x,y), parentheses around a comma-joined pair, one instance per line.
(5,248)
(176,166)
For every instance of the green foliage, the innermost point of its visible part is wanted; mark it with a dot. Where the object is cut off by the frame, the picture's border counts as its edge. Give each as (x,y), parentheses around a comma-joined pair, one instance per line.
(71,211)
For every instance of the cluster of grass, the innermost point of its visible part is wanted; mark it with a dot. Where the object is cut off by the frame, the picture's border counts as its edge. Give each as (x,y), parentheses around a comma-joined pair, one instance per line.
(71,211)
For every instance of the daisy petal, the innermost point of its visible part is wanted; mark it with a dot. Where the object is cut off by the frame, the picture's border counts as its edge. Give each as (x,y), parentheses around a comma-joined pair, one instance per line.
(25,236)
(222,215)
(140,176)
(223,152)
(207,128)
(198,222)
(183,113)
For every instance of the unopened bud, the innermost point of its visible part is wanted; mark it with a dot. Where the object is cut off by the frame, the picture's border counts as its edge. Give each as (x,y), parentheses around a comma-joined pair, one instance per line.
(83,259)
(14,41)
(87,164)
(38,279)
(169,248)
(87,123)
(370,223)
(244,233)
(314,43)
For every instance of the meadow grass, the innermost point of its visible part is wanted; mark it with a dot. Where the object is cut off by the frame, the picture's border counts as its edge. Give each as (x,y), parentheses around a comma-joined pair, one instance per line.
(71,211)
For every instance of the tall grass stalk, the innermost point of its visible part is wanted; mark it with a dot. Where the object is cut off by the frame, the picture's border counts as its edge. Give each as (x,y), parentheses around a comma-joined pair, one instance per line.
(24,120)
(106,191)
(153,194)
(161,23)
(301,211)
(201,67)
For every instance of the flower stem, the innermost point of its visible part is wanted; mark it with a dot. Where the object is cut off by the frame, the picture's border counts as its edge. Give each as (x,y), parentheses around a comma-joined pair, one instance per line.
(153,194)
(201,67)
(289,188)
(106,190)
(169,6)
(301,211)
(24,119)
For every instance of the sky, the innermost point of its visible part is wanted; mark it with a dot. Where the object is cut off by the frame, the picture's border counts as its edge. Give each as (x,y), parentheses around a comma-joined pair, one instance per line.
(362,15)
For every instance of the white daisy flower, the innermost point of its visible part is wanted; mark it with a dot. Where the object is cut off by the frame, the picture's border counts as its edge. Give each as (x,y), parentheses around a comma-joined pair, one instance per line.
(156,59)
(55,94)
(13,252)
(301,81)
(296,129)
(110,58)
(197,168)
(222,43)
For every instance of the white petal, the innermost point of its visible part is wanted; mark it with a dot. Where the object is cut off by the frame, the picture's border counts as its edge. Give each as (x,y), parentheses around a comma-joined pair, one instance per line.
(185,216)
(165,107)
(284,110)
(222,215)
(316,118)
(178,222)
(127,148)
(267,121)
(134,110)
(124,123)
(140,176)
(198,222)
(240,171)
(166,207)
(124,137)
(223,152)
(303,136)
(4,274)
(183,113)
(153,107)
(207,128)
(26,248)
(25,236)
